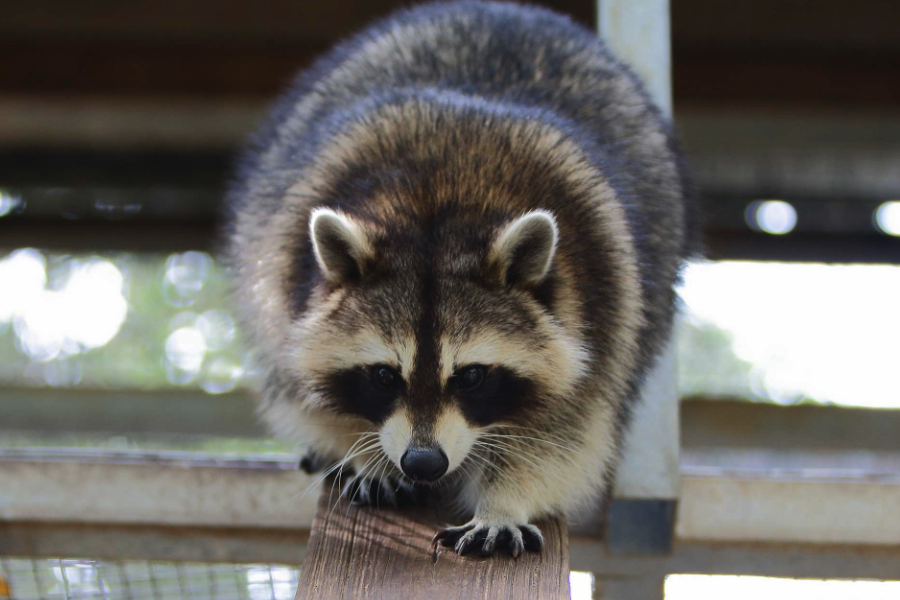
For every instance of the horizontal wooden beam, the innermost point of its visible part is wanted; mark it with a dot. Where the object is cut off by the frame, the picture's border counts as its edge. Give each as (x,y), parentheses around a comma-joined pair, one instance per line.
(186,124)
(794,560)
(767,24)
(110,236)
(276,21)
(827,506)
(354,551)
(159,488)
(811,247)
(708,426)
(762,54)
(762,23)
(289,546)
(153,542)
(778,78)
(47,411)
(280,20)
(724,504)
(149,70)
(140,169)
(712,425)
(87,122)
(706,77)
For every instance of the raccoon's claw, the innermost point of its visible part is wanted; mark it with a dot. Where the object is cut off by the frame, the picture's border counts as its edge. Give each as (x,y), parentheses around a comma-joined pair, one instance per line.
(512,537)
(386,492)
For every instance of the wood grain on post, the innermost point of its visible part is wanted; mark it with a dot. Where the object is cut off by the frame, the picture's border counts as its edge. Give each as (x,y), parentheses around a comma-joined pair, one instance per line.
(368,553)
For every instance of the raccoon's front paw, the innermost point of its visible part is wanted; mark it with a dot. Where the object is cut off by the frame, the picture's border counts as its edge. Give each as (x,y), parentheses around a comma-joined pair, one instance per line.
(313,462)
(490,535)
(383,492)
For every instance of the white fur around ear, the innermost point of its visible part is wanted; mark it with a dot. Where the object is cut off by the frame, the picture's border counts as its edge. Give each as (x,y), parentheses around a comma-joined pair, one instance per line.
(340,245)
(524,249)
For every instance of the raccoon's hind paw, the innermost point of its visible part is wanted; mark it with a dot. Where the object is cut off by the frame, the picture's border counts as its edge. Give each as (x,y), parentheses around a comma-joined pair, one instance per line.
(512,537)
(387,492)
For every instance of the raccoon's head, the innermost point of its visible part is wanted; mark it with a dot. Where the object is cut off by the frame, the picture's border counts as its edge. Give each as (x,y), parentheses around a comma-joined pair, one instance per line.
(432,330)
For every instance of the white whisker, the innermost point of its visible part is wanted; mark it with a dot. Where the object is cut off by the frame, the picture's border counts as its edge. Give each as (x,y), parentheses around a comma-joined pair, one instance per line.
(519,452)
(339,466)
(533,439)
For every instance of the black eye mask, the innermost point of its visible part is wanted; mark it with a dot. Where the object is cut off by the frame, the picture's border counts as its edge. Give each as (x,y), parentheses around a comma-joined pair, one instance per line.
(368,392)
(500,394)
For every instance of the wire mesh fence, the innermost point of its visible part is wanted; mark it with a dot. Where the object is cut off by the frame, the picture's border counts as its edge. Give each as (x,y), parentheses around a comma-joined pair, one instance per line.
(81,579)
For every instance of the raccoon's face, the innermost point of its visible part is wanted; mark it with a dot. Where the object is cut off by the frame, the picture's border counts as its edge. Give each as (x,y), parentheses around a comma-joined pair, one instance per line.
(432,338)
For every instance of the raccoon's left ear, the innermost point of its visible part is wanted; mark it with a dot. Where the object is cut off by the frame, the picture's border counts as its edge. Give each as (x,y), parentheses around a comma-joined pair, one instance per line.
(523,250)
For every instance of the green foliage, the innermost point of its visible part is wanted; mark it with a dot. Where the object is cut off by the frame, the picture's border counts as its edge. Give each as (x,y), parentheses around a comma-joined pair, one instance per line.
(136,357)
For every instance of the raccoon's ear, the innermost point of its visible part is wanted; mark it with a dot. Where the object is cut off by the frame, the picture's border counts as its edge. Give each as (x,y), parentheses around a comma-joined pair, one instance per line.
(523,250)
(341,245)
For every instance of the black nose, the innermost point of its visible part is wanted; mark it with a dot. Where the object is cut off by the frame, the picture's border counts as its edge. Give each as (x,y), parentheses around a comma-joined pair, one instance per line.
(424,464)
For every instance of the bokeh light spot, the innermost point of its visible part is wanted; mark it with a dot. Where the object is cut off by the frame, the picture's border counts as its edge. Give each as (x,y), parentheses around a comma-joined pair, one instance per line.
(887,217)
(776,217)
(218,329)
(185,275)
(9,202)
(220,375)
(185,349)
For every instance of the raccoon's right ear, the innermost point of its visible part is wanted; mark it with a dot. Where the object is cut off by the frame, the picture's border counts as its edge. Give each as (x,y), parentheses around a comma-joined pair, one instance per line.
(524,249)
(341,245)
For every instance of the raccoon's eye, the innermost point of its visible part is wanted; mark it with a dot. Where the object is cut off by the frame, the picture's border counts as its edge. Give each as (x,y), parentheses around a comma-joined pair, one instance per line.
(470,377)
(386,377)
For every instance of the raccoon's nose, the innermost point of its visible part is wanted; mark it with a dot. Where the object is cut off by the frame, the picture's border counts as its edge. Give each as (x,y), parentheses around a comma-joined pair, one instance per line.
(424,464)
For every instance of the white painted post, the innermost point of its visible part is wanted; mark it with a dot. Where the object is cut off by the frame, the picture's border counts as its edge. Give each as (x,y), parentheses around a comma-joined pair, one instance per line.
(649,468)
(637,31)
(648,483)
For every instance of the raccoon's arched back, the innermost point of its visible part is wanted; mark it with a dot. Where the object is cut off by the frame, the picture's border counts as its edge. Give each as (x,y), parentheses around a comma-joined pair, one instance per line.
(494,60)
(519,56)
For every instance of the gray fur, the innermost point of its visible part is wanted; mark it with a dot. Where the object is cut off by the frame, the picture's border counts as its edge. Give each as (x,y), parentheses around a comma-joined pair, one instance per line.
(432,132)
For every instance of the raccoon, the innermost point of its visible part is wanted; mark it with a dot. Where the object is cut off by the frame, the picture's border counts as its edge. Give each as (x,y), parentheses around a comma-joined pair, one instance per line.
(453,246)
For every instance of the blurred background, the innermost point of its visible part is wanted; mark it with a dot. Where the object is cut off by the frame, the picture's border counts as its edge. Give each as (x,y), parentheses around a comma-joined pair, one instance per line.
(119,122)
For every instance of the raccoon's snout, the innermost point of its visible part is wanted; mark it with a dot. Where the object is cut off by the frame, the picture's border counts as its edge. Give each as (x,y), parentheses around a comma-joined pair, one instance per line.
(424,464)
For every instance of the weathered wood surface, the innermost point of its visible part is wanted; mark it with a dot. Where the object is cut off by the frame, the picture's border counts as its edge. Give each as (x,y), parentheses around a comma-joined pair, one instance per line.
(368,553)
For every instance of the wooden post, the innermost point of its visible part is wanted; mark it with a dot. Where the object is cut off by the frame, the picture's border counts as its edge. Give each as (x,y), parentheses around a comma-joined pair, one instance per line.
(368,553)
